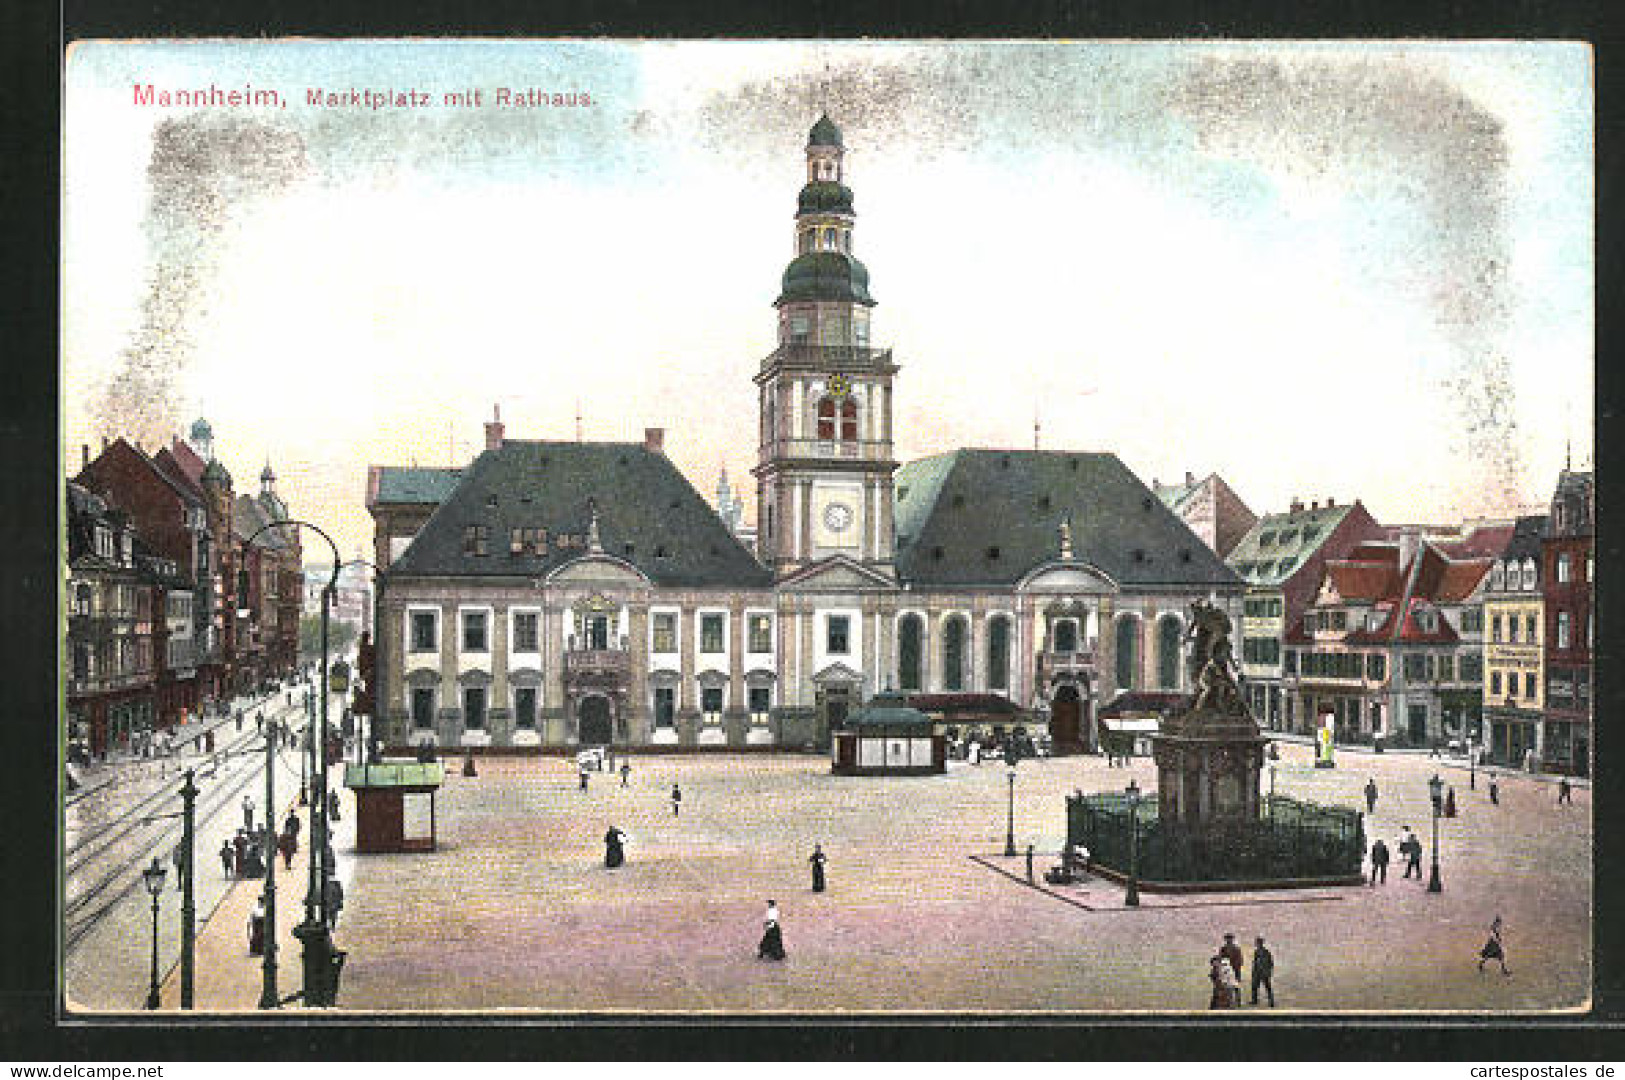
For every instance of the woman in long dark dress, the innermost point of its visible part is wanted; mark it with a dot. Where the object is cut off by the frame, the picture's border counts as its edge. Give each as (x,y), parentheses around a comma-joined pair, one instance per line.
(772,945)
(1493,949)
(614,853)
(818,860)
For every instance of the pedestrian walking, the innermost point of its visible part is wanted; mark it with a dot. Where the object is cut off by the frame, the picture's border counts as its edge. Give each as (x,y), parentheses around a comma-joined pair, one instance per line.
(1226,988)
(1030,864)
(1232,954)
(239,853)
(1450,802)
(292,824)
(226,858)
(772,943)
(614,851)
(818,860)
(1493,948)
(1411,848)
(676,800)
(583,777)
(1379,862)
(248,813)
(178,857)
(1263,970)
(288,845)
(333,806)
(1565,792)
(256,929)
(1495,791)
(332,901)
(1370,795)
(626,771)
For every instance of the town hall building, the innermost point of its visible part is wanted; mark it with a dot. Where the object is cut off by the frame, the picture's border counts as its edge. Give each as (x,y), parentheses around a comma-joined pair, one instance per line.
(559,594)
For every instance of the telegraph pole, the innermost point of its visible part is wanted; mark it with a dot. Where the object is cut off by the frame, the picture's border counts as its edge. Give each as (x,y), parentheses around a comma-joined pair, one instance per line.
(188,904)
(268,992)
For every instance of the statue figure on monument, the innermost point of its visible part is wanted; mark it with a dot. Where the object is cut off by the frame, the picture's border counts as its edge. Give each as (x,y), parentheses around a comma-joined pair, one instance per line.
(1214,672)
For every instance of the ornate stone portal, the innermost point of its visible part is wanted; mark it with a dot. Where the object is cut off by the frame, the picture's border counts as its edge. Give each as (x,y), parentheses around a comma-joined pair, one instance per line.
(1209,757)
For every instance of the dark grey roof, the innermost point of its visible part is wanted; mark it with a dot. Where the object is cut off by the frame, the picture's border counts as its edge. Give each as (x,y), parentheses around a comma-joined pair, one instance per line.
(988,517)
(416,484)
(648,514)
(1525,542)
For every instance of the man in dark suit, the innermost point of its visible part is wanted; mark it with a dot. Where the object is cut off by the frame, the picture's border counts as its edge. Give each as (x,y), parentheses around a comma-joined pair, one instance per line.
(1263,970)
(1232,952)
(1379,862)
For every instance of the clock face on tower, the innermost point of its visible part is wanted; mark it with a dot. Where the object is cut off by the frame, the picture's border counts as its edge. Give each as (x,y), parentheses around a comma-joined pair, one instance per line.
(837,517)
(839,386)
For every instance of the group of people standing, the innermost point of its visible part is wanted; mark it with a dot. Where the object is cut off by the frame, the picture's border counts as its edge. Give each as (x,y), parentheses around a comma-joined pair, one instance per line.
(1226,968)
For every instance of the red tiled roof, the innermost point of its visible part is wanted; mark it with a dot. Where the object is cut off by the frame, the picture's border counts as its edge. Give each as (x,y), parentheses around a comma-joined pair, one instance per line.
(1362,580)
(1486,541)
(1460,578)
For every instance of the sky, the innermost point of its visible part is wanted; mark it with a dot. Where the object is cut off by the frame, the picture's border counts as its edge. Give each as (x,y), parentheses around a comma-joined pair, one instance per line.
(1354,270)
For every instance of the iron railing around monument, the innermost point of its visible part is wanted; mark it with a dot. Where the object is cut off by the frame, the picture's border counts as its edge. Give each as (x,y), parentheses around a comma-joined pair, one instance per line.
(1289,840)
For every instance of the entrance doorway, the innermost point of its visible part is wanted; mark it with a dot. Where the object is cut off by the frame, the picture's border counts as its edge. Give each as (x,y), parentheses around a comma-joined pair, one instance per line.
(1066,720)
(598,633)
(837,703)
(593,712)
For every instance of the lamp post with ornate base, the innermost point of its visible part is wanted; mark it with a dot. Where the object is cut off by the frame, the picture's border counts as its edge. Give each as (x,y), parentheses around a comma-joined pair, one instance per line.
(1010,821)
(1132,897)
(1435,788)
(153,878)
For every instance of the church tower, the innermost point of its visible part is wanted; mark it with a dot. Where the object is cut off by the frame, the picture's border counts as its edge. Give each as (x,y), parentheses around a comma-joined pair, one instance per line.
(824,480)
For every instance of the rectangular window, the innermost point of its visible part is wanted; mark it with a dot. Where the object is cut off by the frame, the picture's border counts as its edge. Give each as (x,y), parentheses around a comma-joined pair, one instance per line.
(1291,664)
(761,633)
(665,632)
(474,708)
(476,539)
(1495,628)
(1512,629)
(1447,669)
(1376,666)
(1428,666)
(761,700)
(1495,684)
(1472,668)
(665,708)
(524,707)
(1562,629)
(711,633)
(1529,629)
(1472,621)
(1529,685)
(422,708)
(525,636)
(711,704)
(1563,568)
(838,635)
(474,635)
(1413,666)
(1340,620)
(424,631)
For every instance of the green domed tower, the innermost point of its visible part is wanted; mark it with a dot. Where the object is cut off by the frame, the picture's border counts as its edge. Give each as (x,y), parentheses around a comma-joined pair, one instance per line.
(825,473)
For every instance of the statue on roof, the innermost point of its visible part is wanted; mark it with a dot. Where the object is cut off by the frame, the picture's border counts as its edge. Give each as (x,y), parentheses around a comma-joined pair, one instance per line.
(1066,537)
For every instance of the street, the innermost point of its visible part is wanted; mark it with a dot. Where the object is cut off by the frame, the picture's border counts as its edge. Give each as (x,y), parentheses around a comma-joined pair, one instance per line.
(923,913)
(114,830)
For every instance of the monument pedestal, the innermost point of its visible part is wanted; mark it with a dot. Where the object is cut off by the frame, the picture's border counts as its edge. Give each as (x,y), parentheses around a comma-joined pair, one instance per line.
(1208,769)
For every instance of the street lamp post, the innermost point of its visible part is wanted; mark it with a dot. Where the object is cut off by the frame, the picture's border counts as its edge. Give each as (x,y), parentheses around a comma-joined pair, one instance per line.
(153,877)
(1132,897)
(314,933)
(268,990)
(1010,821)
(1435,788)
(188,903)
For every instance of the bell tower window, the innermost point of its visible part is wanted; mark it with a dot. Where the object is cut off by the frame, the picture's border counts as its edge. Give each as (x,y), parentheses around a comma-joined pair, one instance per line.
(849,421)
(826,419)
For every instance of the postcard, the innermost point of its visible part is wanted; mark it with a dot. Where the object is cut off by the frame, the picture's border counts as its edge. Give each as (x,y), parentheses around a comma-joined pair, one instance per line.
(610,528)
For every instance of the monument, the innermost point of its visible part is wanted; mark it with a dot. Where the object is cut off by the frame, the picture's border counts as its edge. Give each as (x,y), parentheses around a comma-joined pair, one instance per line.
(1209,757)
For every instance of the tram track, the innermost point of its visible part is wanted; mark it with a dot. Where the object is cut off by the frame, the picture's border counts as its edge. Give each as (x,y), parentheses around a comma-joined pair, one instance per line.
(140,832)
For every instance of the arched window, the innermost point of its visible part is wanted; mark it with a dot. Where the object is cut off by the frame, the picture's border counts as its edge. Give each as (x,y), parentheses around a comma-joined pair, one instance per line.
(1066,636)
(1128,653)
(1168,636)
(953,654)
(998,653)
(826,419)
(1528,574)
(829,240)
(849,421)
(908,653)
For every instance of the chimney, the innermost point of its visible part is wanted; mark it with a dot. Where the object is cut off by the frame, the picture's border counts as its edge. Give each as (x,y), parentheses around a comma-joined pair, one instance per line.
(1314,504)
(654,440)
(1330,502)
(1409,541)
(1190,478)
(1296,507)
(493,429)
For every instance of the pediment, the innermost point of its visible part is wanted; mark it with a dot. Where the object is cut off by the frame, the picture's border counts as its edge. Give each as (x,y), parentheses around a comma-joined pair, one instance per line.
(1070,577)
(837,574)
(838,673)
(598,570)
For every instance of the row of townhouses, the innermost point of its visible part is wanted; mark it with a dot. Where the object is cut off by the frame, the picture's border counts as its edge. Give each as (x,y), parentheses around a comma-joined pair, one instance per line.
(156,626)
